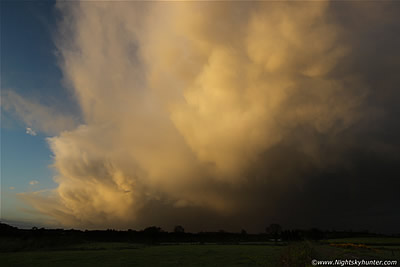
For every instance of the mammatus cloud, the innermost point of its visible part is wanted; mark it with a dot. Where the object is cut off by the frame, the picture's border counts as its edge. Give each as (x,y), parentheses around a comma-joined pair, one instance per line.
(35,115)
(219,109)
(30,131)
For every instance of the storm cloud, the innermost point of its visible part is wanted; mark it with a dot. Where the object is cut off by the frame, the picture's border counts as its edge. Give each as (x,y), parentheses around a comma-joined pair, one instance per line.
(228,115)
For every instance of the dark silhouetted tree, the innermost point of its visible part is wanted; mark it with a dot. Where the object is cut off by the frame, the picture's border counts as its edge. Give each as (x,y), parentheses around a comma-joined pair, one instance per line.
(274,230)
(152,230)
(179,229)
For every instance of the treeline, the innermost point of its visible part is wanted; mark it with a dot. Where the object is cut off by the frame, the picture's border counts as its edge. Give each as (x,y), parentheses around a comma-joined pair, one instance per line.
(41,237)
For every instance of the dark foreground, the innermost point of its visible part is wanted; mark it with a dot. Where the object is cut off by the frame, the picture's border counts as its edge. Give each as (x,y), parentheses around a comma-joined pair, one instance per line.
(155,247)
(299,253)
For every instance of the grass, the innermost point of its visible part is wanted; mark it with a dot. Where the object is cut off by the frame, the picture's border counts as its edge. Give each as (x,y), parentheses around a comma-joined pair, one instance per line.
(171,255)
(128,254)
(362,248)
(367,241)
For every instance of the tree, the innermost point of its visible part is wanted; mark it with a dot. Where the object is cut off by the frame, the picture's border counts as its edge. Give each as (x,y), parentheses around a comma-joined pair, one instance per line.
(179,229)
(274,230)
(152,230)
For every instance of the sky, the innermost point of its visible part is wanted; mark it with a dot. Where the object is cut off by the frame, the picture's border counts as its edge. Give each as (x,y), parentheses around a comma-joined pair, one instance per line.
(211,115)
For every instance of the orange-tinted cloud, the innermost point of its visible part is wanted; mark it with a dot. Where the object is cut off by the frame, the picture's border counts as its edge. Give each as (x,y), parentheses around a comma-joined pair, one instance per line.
(182,101)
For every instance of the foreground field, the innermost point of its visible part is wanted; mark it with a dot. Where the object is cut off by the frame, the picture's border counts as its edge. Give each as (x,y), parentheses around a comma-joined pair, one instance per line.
(127,254)
(171,255)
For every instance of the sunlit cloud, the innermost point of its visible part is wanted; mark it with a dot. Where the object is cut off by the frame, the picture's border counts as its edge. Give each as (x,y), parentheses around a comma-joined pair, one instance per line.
(183,104)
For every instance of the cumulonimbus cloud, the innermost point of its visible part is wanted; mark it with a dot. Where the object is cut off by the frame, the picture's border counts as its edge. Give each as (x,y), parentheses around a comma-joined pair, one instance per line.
(182,101)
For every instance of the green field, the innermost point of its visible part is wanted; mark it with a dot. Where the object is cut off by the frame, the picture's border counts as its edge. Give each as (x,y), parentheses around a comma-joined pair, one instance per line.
(171,255)
(367,240)
(128,254)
